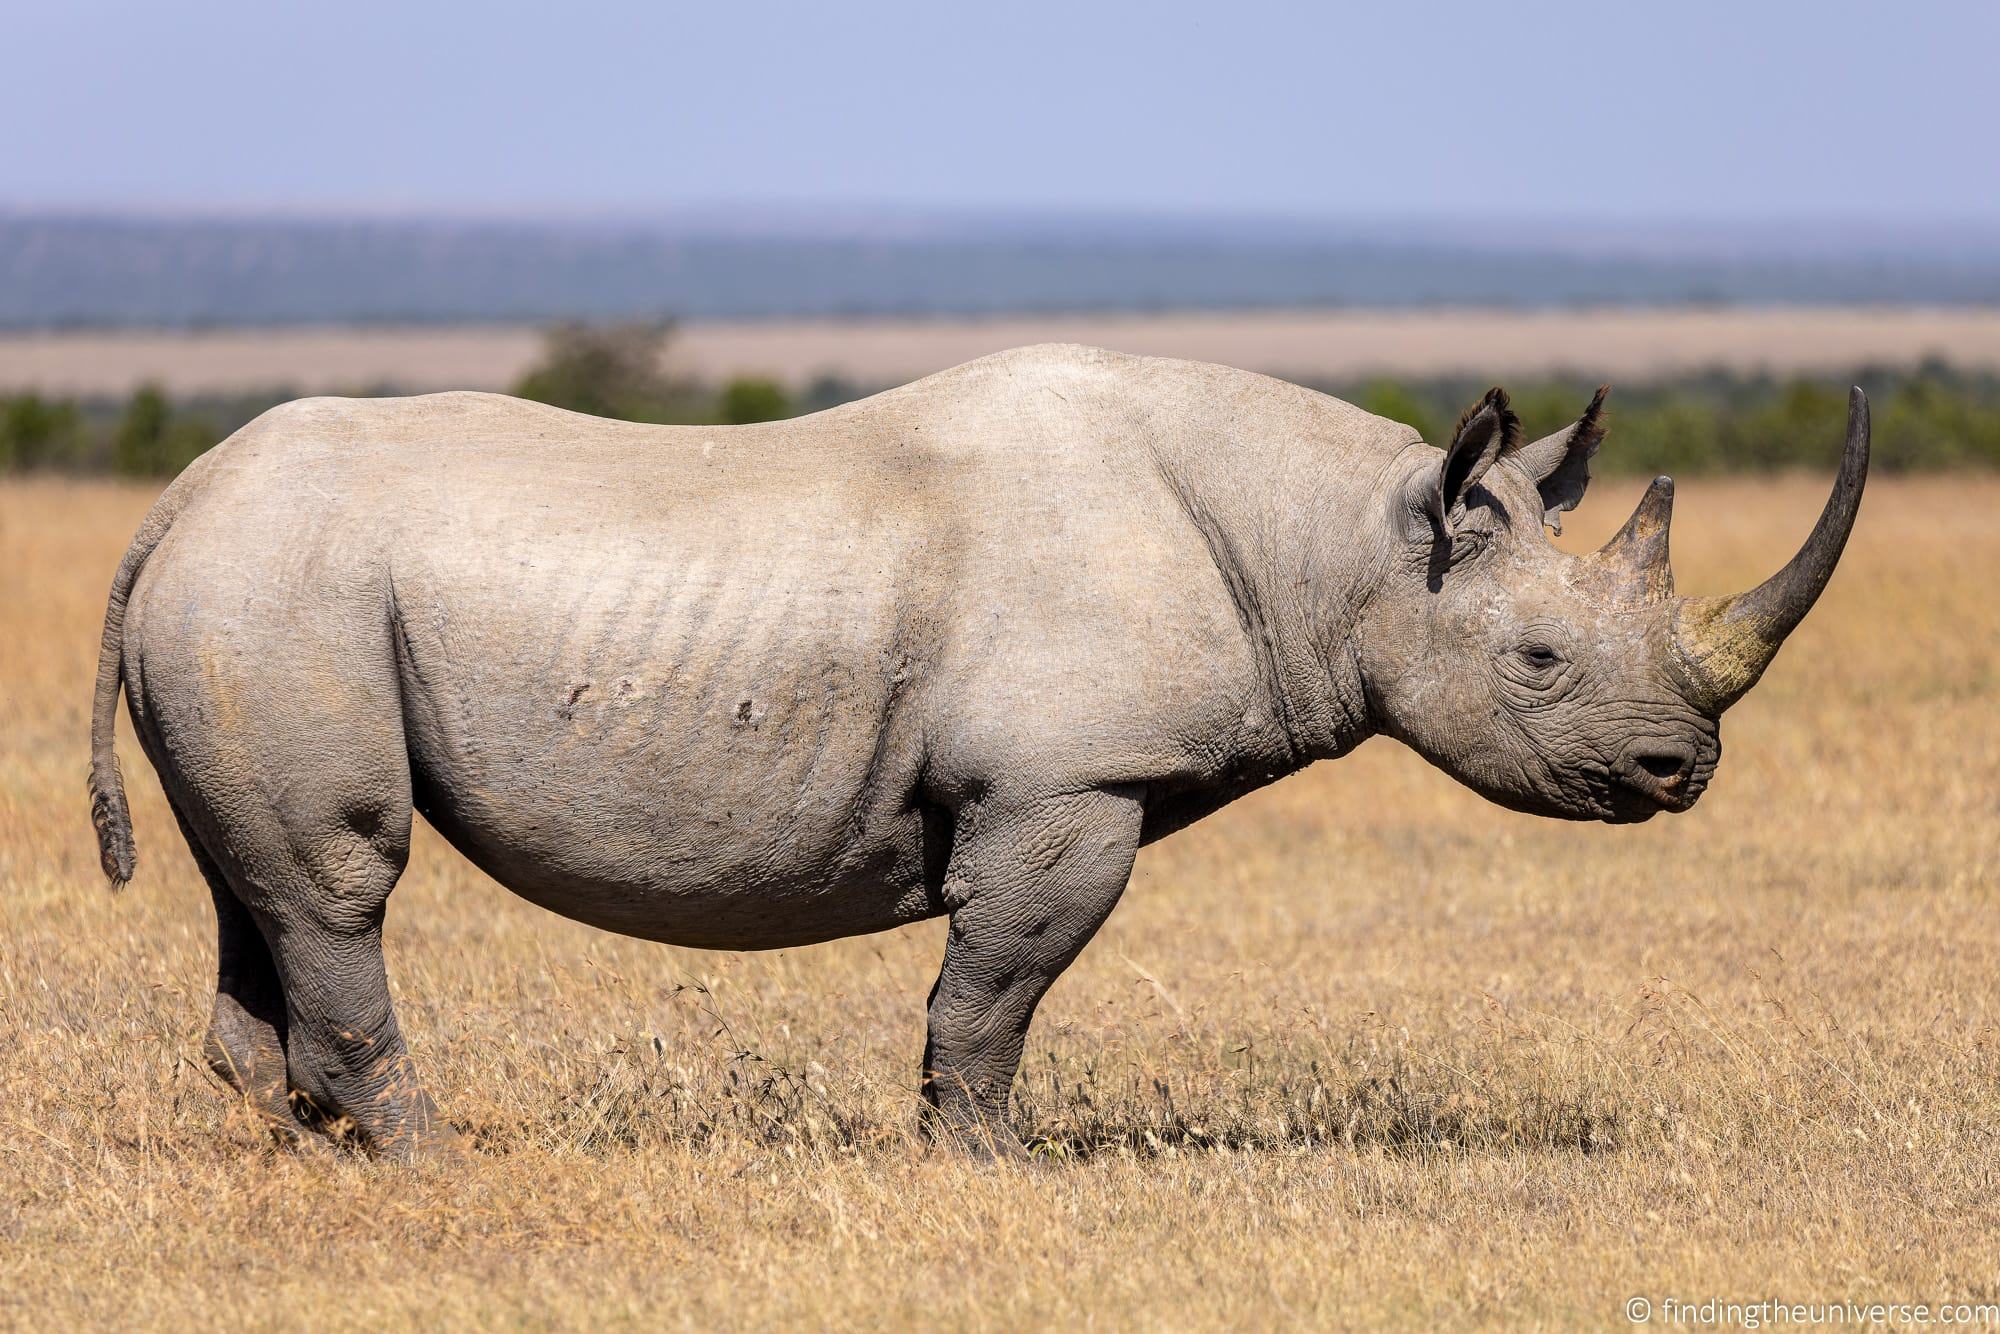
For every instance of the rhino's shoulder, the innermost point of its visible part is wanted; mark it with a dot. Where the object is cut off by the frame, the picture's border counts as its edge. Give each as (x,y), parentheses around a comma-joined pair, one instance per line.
(1024,369)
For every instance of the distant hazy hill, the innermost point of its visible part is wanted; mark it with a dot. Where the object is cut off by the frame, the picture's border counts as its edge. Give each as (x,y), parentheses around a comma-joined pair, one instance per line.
(69,270)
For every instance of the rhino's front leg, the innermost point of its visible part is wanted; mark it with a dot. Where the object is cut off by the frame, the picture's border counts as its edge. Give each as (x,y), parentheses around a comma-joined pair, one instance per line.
(1030,881)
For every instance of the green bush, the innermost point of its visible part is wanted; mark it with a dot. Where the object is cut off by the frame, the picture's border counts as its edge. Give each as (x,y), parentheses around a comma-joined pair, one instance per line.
(138,447)
(749,399)
(35,433)
(152,440)
(1396,401)
(609,371)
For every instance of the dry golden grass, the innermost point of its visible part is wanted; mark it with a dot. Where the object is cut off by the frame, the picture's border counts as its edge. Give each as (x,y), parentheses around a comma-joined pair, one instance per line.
(1360,1049)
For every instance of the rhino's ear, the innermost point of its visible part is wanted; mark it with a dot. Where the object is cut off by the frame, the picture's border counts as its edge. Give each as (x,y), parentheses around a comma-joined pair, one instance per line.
(1488,430)
(1560,463)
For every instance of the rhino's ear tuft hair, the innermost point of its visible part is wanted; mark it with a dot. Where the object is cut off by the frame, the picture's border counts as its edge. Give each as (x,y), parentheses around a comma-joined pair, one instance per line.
(1488,430)
(1560,463)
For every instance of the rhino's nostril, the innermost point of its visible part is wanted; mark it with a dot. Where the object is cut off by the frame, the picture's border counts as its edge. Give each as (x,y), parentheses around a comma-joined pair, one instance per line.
(1667,764)
(1661,766)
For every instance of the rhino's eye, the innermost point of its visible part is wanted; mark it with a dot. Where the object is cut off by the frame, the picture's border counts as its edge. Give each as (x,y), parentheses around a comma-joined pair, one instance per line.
(1539,656)
(1467,543)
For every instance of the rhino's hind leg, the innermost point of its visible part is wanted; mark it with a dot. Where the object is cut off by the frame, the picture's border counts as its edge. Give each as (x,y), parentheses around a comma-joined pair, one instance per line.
(1029,883)
(301,971)
(289,763)
(245,1045)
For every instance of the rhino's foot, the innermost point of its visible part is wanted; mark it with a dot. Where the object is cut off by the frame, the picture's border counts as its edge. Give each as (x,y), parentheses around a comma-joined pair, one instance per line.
(251,1062)
(950,1126)
(265,1104)
(359,1089)
(411,1133)
(983,1148)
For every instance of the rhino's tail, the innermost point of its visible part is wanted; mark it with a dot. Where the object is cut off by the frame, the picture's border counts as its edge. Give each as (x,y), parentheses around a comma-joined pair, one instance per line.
(108,811)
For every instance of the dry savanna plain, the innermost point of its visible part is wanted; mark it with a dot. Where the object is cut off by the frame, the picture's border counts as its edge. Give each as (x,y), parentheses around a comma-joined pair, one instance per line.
(1359,1049)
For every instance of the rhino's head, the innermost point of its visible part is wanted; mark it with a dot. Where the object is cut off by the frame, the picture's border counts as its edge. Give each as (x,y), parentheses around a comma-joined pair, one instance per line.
(1574,686)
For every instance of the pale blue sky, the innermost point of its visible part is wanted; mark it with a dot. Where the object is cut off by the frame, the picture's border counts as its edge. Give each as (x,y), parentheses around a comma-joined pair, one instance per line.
(1698,110)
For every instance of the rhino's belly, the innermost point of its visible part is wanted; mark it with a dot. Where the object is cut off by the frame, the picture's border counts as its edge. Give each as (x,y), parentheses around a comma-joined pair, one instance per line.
(720,754)
(732,836)
(727,885)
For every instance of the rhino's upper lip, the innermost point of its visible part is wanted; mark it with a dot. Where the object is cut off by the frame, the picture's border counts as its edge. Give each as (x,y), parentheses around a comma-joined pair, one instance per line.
(1631,801)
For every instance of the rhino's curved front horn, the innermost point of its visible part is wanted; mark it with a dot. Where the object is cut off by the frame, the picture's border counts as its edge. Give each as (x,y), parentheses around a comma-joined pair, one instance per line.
(1726,643)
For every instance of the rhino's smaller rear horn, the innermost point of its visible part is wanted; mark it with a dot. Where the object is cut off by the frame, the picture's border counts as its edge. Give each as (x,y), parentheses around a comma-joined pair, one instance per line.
(1637,553)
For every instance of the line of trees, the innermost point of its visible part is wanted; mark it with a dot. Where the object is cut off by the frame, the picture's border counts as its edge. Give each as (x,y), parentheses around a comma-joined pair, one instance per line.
(1931,417)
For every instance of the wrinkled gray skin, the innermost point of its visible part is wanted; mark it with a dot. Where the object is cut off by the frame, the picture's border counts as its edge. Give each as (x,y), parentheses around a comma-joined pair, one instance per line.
(957,649)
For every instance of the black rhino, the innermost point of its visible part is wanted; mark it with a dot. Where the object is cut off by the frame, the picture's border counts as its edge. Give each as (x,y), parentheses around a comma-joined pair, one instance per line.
(960,648)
